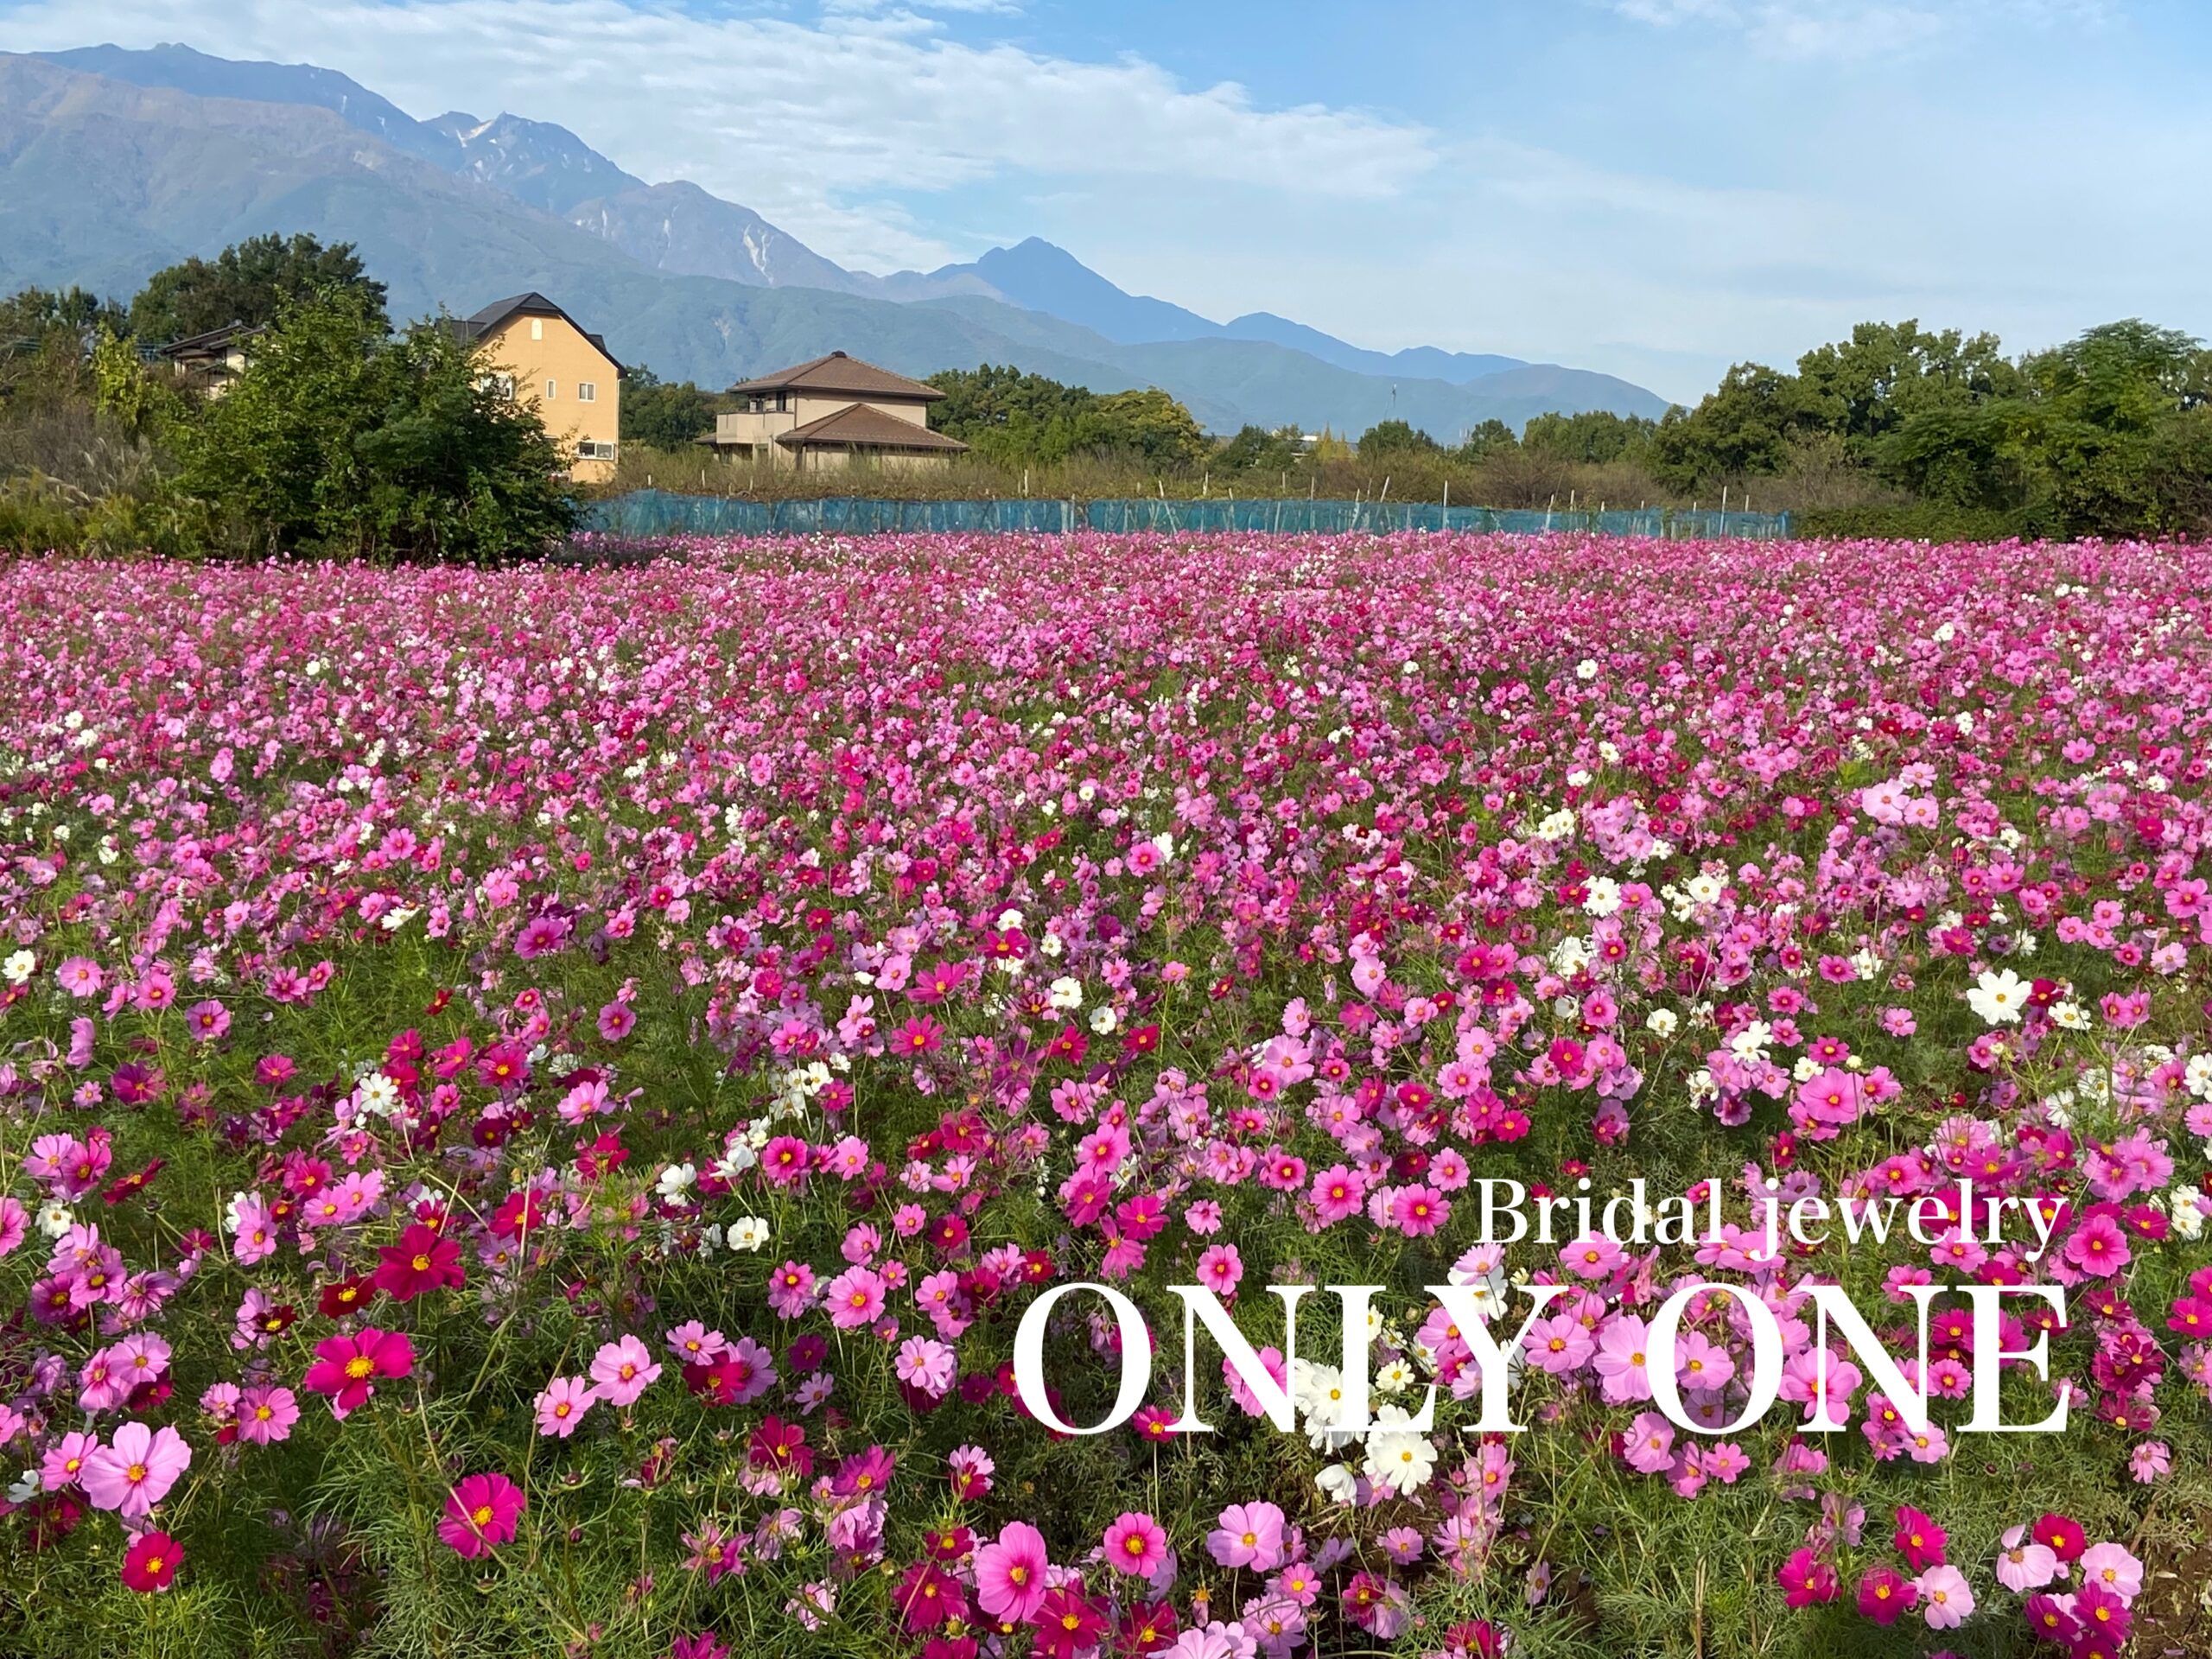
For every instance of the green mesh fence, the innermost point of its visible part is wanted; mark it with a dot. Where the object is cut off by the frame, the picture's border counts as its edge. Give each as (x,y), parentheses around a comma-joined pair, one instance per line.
(644,515)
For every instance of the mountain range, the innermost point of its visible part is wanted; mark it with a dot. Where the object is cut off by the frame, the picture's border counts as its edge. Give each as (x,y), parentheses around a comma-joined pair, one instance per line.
(114,162)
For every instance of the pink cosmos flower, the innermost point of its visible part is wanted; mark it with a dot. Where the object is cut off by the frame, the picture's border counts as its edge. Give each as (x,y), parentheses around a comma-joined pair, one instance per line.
(1592,1258)
(1221,1269)
(1558,1345)
(1135,1544)
(1649,1446)
(1621,1359)
(1884,1595)
(1417,1211)
(561,1404)
(1249,1535)
(1918,1538)
(1806,1579)
(135,1470)
(855,1298)
(2113,1569)
(1701,1364)
(64,1464)
(266,1414)
(1947,1596)
(1010,1572)
(927,1364)
(482,1511)
(623,1370)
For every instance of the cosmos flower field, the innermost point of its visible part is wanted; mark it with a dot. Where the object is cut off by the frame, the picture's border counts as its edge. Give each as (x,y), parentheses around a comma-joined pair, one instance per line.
(533,1103)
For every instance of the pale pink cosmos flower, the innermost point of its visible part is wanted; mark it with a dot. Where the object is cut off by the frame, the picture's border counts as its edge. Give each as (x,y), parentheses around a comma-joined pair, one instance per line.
(2109,1567)
(1621,1359)
(1249,1534)
(64,1464)
(1650,1444)
(1945,1599)
(855,1298)
(135,1470)
(623,1370)
(925,1363)
(2024,1565)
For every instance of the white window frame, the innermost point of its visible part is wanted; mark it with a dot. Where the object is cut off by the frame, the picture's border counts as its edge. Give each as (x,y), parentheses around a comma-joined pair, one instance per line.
(586,391)
(549,387)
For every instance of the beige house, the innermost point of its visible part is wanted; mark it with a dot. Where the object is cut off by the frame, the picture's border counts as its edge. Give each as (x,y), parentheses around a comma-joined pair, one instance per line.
(208,363)
(543,356)
(824,414)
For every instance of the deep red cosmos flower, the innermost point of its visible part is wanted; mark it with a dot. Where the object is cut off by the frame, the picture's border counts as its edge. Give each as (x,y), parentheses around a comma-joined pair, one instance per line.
(150,1563)
(422,1260)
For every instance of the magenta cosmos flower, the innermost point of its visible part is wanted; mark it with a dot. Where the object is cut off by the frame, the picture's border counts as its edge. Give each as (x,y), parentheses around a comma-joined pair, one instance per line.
(481,1513)
(1135,1544)
(135,1470)
(1010,1572)
(347,1368)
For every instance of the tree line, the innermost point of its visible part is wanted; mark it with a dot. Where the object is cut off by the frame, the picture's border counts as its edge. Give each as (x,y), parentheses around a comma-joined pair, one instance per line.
(344,436)
(349,436)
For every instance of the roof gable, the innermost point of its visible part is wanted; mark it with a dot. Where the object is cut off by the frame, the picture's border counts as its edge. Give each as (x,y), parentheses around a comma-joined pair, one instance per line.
(838,374)
(858,426)
(496,316)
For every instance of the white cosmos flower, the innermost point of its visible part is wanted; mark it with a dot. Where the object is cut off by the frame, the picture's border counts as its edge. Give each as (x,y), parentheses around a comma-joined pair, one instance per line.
(746,1233)
(1998,996)
(674,1178)
(1337,1484)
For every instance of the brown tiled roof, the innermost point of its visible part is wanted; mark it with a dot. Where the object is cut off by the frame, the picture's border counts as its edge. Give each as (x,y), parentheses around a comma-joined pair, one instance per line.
(839,373)
(532,304)
(857,426)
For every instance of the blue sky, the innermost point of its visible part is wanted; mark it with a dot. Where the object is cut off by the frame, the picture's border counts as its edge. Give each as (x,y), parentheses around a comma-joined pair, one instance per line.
(1655,188)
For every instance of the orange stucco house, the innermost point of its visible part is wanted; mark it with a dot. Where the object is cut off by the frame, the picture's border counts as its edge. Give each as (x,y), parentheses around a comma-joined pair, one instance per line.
(543,356)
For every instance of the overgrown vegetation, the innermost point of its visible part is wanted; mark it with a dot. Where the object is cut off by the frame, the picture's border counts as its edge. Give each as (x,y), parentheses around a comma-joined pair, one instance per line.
(339,438)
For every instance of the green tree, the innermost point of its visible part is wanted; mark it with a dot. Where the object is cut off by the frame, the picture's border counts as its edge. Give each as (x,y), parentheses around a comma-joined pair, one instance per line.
(1254,449)
(1395,438)
(249,282)
(1148,425)
(666,414)
(1595,435)
(1010,417)
(1746,427)
(46,340)
(337,440)
(1866,387)
(1489,437)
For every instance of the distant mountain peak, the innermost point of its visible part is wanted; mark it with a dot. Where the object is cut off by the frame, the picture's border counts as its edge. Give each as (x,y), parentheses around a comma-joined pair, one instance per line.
(115,186)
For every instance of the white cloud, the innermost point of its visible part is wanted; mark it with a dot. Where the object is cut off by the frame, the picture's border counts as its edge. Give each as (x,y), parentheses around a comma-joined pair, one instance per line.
(1854,30)
(806,123)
